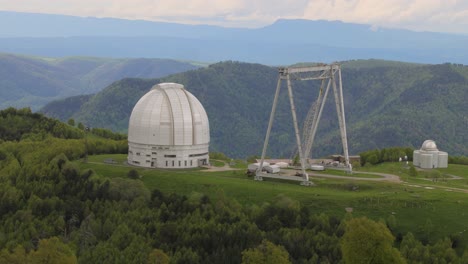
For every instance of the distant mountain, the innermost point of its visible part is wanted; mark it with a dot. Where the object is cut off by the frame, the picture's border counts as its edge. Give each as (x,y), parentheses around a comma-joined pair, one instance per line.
(35,81)
(387,104)
(283,42)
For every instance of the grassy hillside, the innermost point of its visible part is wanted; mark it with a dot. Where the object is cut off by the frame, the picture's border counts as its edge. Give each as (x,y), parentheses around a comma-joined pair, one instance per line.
(387,104)
(35,81)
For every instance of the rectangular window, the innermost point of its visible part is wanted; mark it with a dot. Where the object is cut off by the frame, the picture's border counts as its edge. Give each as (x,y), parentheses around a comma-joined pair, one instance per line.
(185,162)
(179,163)
(167,163)
(172,163)
(138,153)
(169,156)
(198,155)
(154,153)
(191,162)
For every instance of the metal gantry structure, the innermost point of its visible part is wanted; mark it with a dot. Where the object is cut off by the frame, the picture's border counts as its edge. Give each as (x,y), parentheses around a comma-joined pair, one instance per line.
(328,75)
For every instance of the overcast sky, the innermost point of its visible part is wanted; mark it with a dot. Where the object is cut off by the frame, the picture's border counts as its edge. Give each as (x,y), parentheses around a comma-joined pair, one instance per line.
(420,15)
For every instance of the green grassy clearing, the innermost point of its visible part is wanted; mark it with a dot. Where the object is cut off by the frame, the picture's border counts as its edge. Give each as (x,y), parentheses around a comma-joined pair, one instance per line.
(424,175)
(412,206)
(217,163)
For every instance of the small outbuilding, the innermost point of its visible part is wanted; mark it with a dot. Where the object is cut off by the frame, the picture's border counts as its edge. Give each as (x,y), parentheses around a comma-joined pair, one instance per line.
(429,156)
(317,167)
(254,166)
(272,168)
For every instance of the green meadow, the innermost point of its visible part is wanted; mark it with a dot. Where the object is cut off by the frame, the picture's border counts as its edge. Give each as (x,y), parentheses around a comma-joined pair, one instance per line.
(427,208)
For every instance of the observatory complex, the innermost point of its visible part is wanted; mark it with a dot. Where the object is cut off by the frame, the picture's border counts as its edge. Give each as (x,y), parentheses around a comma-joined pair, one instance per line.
(429,157)
(168,128)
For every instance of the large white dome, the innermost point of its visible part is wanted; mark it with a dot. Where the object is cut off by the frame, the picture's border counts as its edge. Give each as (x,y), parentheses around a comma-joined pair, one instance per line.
(170,126)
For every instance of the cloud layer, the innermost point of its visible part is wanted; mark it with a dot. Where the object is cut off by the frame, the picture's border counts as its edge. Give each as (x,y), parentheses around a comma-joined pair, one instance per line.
(421,15)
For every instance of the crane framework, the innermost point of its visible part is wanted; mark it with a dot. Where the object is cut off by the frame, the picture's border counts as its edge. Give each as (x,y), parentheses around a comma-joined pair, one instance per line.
(328,75)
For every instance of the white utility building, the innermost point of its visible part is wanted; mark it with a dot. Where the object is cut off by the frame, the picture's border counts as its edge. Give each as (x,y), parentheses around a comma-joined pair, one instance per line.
(168,128)
(429,157)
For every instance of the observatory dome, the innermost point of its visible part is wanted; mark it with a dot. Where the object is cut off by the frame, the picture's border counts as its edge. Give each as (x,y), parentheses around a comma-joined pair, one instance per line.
(168,128)
(429,145)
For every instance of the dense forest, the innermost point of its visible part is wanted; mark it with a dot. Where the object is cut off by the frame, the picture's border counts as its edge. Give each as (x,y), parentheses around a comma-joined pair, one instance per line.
(387,104)
(53,212)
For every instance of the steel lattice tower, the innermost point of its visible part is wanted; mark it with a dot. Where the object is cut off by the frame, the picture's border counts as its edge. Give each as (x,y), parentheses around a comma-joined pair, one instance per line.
(328,75)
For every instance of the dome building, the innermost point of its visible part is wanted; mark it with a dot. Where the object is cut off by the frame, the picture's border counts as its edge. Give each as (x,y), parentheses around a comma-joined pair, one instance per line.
(429,157)
(168,128)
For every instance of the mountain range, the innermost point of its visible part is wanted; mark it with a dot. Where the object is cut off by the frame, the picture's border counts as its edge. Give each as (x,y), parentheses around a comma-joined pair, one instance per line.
(281,43)
(387,104)
(27,81)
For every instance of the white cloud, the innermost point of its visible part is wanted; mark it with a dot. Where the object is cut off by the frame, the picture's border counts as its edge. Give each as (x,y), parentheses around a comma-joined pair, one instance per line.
(427,15)
(430,15)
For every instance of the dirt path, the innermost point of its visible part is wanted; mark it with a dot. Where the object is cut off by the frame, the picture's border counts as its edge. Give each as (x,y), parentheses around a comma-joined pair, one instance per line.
(385,177)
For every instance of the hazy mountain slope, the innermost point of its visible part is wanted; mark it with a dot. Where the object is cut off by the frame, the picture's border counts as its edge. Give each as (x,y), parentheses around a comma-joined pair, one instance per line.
(34,81)
(64,109)
(283,42)
(53,25)
(389,104)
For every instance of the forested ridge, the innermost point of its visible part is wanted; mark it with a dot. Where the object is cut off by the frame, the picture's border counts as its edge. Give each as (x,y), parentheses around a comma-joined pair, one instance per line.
(387,104)
(53,212)
(27,81)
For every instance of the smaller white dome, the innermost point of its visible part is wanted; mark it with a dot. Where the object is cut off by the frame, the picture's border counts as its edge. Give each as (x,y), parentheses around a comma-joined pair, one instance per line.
(429,145)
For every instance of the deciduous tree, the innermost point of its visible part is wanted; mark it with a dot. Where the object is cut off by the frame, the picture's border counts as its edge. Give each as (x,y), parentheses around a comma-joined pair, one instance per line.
(265,253)
(366,241)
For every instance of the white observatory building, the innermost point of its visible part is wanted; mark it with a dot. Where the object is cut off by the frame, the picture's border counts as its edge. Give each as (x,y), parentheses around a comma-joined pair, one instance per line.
(168,128)
(429,157)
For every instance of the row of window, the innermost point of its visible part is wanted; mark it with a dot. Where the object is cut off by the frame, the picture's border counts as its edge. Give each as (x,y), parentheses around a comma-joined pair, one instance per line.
(167,163)
(180,163)
(169,156)
(160,147)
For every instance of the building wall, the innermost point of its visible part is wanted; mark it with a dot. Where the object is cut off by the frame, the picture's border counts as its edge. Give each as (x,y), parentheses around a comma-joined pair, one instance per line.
(426,161)
(430,159)
(443,160)
(416,155)
(152,156)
